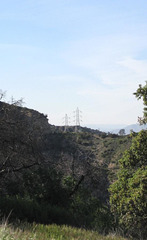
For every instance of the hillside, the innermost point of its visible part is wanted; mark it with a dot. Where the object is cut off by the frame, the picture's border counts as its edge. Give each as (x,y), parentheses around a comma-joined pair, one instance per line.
(64,170)
(27,141)
(133,127)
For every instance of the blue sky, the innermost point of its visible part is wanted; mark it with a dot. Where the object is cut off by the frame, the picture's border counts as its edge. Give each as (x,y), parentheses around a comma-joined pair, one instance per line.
(63,54)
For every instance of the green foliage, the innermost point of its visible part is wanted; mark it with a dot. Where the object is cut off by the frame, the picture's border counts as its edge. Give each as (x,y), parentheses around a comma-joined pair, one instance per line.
(42,185)
(26,209)
(90,213)
(45,185)
(45,196)
(129,193)
(84,138)
(142,93)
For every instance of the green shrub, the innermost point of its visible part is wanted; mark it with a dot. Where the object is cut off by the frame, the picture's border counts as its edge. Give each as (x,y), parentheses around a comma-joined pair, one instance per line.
(129,193)
(29,210)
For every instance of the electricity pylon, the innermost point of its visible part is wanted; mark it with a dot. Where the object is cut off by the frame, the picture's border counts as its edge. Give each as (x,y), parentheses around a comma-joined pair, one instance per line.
(66,122)
(77,118)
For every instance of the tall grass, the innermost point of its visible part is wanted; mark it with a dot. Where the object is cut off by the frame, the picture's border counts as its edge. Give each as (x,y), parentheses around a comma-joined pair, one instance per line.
(49,232)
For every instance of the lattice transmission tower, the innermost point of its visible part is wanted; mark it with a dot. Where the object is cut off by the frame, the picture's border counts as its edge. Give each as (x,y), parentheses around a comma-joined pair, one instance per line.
(66,122)
(77,118)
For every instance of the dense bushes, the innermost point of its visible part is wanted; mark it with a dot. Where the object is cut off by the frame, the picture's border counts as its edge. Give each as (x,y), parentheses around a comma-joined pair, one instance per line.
(45,196)
(29,210)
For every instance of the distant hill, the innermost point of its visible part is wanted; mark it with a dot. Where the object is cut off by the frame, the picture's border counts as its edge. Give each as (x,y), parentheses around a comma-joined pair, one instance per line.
(134,127)
(106,127)
(115,128)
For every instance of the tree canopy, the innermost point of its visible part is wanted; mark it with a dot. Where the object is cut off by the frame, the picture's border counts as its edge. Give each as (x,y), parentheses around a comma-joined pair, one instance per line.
(142,93)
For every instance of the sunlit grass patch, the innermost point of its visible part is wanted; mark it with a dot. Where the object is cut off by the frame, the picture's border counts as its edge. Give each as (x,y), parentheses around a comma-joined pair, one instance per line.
(49,232)
(8,232)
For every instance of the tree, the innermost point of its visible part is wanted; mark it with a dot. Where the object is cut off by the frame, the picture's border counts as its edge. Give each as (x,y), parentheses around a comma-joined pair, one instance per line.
(142,93)
(122,132)
(128,195)
(2,95)
(18,102)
